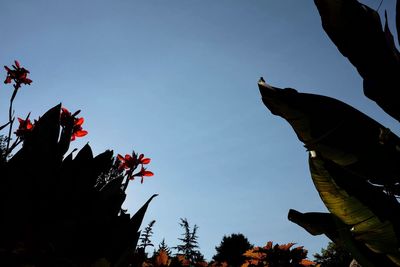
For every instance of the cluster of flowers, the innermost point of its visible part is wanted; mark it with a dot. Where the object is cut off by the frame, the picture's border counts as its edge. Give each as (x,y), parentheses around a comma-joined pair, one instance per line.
(66,119)
(69,120)
(129,164)
(18,74)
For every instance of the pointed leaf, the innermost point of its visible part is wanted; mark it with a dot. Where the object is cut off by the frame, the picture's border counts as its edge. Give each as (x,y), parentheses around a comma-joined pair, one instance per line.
(137,219)
(84,154)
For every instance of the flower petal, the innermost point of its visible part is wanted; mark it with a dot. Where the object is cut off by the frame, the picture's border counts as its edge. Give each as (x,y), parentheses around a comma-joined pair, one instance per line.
(147,173)
(79,121)
(145,161)
(64,110)
(81,133)
(120,158)
(8,80)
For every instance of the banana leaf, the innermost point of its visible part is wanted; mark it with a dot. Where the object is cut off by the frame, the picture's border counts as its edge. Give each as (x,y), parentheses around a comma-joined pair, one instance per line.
(353,207)
(357,32)
(317,223)
(338,132)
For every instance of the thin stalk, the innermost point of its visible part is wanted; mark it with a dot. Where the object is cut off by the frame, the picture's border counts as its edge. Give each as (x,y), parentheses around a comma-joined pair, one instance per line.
(10,117)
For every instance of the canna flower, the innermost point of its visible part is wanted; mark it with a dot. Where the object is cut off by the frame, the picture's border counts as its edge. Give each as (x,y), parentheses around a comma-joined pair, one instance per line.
(77,130)
(25,127)
(69,120)
(18,74)
(143,172)
(129,163)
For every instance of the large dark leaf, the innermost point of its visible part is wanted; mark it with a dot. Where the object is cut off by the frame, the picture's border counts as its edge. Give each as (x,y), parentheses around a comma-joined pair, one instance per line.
(368,225)
(338,132)
(357,32)
(43,141)
(317,223)
(137,219)
(102,162)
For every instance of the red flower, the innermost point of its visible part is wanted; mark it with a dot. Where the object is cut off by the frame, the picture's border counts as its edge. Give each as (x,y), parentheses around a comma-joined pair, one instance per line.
(68,119)
(25,127)
(77,130)
(18,74)
(143,172)
(143,160)
(129,163)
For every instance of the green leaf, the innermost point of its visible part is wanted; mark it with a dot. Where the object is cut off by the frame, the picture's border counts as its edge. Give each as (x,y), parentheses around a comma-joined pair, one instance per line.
(365,226)
(338,132)
(317,223)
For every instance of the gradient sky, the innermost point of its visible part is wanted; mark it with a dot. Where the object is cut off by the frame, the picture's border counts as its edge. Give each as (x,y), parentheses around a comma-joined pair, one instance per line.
(177,81)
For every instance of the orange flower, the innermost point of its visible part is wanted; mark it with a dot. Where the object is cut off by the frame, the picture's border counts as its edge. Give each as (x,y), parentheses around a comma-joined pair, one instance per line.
(143,172)
(77,130)
(129,163)
(69,120)
(18,74)
(25,127)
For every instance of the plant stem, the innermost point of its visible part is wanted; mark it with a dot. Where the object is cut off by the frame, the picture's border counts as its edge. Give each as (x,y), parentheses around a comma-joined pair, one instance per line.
(10,118)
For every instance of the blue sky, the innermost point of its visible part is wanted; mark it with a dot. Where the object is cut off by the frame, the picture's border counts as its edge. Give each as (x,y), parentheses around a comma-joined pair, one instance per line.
(177,81)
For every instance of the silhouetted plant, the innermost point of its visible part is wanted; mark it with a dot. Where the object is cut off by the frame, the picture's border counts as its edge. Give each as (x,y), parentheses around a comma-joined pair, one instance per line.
(163,246)
(189,246)
(53,209)
(146,235)
(231,249)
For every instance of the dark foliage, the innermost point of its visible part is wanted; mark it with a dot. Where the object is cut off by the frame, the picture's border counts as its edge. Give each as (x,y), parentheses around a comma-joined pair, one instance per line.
(277,256)
(53,211)
(163,246)
(333,256)
(231,250)
(189,246)
(146,235)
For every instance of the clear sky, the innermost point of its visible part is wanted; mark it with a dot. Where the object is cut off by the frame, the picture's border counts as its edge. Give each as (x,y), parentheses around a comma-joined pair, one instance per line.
(177,81)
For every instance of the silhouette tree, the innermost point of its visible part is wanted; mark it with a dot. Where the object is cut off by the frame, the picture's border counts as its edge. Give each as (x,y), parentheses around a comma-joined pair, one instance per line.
(333,256)
(231,249)
(163,246)
(189,246)
(146,235)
